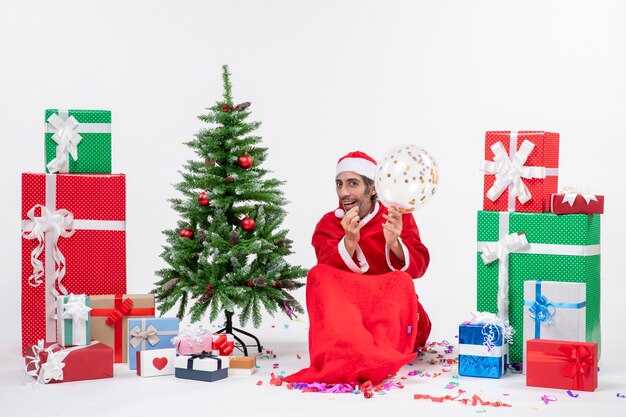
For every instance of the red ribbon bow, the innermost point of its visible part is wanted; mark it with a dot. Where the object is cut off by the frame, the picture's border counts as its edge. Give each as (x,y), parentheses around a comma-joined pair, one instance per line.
(222,344)
(119,312)
(580,361)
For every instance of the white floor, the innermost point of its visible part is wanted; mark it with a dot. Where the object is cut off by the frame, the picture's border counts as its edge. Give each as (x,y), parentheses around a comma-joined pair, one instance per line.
(129,395)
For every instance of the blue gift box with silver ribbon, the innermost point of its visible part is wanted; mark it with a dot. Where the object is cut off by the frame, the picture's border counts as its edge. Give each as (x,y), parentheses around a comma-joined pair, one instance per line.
(554,310)
(150,334)
(483,350)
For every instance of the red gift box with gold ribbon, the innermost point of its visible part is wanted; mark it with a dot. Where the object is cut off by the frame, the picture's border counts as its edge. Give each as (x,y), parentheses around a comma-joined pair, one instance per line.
(73,241)
(521,170)
(562,364)
(109,319)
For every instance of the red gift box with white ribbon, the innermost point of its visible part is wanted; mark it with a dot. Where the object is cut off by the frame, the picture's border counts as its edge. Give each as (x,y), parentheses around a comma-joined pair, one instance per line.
(562,364)
(576,201)
(50,362)
(73,240)
(521,170)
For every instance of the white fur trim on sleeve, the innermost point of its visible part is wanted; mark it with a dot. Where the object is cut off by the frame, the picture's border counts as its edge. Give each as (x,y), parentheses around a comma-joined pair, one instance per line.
(348,259)
(405,251)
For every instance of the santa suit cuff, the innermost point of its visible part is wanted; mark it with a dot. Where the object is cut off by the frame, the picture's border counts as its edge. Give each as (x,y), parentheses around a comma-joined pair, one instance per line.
(405,251)
(343,252)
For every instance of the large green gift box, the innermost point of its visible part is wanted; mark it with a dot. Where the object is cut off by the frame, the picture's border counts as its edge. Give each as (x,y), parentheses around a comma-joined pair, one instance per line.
(563,248)
(78,141)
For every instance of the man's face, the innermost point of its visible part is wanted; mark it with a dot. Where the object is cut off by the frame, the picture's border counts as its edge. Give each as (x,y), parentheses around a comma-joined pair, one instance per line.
(351,192)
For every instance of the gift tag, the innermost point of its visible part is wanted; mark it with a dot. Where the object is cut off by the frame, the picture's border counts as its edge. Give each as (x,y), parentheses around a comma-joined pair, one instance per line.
(157,362)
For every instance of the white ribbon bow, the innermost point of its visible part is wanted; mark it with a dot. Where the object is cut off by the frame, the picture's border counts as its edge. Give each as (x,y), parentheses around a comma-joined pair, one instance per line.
(67,140)
(59,223)
(76,309)
(52,368)
(509,172)
(139,336)
(500,250)
(572,192)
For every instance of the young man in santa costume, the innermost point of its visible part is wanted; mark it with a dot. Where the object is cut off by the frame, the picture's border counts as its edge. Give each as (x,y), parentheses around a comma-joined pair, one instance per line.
(366,321)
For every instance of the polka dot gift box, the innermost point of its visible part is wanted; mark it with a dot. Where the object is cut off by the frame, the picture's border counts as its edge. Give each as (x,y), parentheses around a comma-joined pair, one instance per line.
(78,141)
(521,170)
(563,248)
(73,241)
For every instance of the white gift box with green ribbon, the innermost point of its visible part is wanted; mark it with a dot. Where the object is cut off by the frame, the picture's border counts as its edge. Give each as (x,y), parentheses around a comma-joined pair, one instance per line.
(73,320)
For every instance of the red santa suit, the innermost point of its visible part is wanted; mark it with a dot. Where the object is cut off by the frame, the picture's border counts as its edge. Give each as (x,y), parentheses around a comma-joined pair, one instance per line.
(372,255)
(365,319)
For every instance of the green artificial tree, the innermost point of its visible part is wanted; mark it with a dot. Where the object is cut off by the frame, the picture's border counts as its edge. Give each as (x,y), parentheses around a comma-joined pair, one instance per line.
(228,251)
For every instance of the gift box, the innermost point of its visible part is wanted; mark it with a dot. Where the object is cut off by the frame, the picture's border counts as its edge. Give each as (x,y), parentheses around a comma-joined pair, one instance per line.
(74,241)
(482,350)
(78,141)
(560,248)
(73,320)
(554,310)
(109,322)
(149,334)
(224,344)
(577,203)
(562,364)
(157,362)
(241,365)
(192,340)
(50,362)
(207,367)
(521,170)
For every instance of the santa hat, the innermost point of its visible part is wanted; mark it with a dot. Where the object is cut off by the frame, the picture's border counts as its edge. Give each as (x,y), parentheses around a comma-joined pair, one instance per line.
(358,162)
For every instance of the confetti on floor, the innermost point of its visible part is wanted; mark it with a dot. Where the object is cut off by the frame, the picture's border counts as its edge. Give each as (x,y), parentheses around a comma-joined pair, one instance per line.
(571,394)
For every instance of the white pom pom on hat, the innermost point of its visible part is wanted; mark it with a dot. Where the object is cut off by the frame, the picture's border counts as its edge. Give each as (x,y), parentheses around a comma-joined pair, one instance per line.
(358,162)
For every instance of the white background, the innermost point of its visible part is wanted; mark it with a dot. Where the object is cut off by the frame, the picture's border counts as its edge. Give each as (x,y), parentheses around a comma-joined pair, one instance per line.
(324,78)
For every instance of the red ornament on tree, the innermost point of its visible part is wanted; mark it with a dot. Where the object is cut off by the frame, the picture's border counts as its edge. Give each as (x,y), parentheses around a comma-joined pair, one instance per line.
(250,284)
(277,284)
(247,223)
(229,179)
(224,108)
(186,233)
(245,161)
(203,199)
(208,287)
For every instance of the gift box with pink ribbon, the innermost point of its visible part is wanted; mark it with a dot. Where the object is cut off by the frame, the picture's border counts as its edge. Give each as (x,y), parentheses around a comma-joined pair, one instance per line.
(51,362)
(521,170)
(575,201)
(562,364)
(74,240)
(73,320)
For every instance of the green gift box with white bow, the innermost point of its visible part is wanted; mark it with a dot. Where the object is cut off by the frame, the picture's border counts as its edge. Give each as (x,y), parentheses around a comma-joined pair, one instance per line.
(78,141)
(515,247)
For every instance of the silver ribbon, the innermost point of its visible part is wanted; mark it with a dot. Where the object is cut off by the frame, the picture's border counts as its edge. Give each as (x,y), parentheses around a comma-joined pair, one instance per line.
(140,336)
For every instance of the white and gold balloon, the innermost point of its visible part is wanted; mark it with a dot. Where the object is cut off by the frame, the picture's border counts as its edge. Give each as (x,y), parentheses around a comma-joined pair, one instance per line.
(406,177)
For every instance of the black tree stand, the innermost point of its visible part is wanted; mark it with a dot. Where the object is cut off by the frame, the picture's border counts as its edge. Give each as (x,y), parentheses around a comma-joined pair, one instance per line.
(229,329)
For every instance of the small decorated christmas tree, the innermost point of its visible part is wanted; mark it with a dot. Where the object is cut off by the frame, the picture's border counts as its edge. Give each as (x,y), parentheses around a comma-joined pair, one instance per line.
(228,251)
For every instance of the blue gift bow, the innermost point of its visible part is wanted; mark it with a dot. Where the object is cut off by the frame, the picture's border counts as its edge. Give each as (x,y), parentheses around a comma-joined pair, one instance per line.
(540,308)
(203,355)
